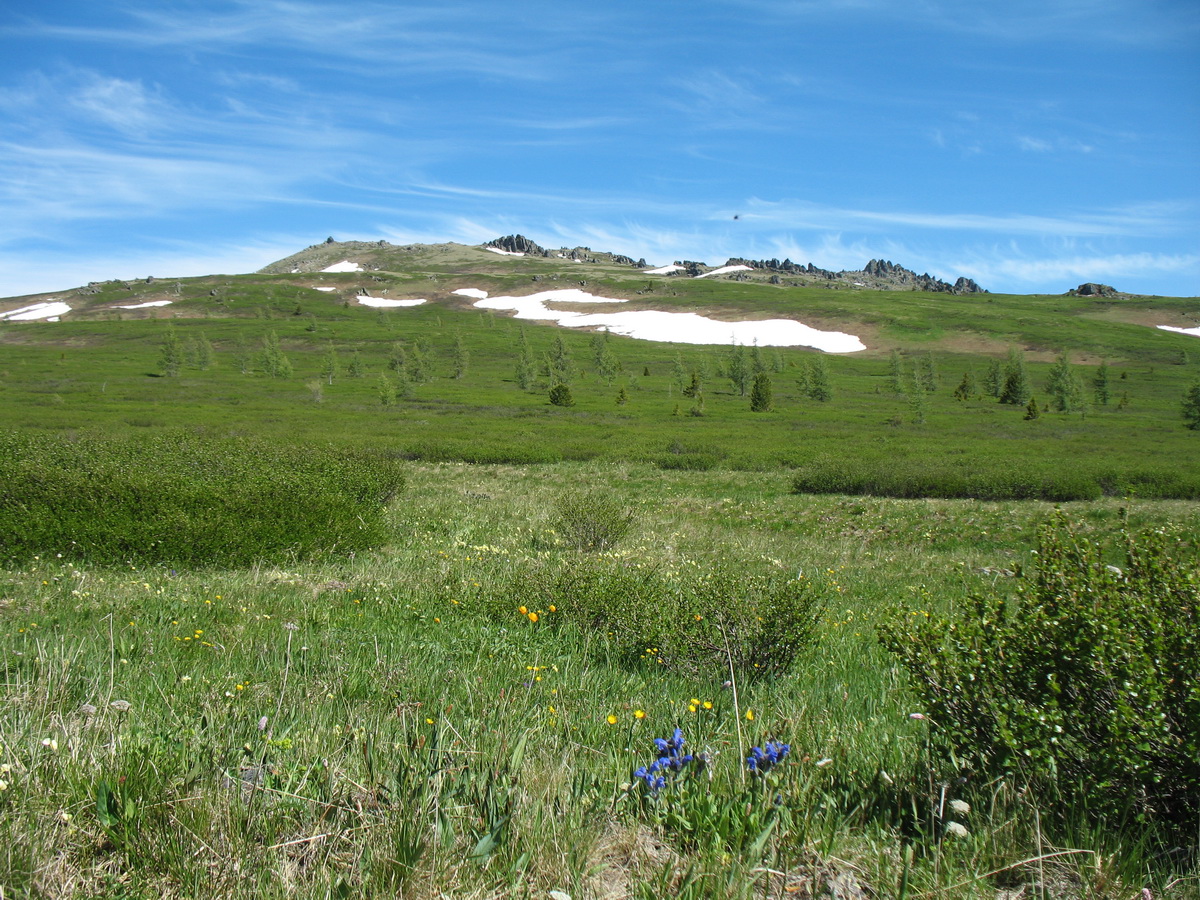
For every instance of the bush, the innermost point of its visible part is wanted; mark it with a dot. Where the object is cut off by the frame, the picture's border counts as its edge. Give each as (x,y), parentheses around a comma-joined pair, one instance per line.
(591,520)
(182,500)
(696,622)
(1086,684)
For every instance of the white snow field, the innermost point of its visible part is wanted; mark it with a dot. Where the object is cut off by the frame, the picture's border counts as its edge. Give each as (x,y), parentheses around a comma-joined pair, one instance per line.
(1195,331)
(504,252)
(724,269)
(679,328)
(146,305)
(476,293)
(327,290)
(344,266)
(384,302)
(662,270)
(49,310)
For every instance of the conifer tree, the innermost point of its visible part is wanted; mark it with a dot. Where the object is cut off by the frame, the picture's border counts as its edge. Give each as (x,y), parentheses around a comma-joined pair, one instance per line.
(1100,384)
(993,381)
(560,365)
(170,357)
(1016,389)
(387,390)
(1191,407)
(896,372)
(761,399)
(819,388)
(461,357)
(1063,386)
(738,369)
(329,365)
(966,388)
(560,395)
(526,370)
(1031,409)
(274,362)
(354,369)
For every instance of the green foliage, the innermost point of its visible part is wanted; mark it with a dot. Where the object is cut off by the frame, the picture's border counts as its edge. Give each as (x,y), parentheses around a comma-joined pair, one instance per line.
(560,395)
(1191,407)
(993,381)
(462,357)
(272,359)
(966,389)
(1100,384)
(819,385)
(761,399)
(201,503)
(1031,410)
(591,520)
(1085,685)
(170,357)
(1063,386)
(1015,389)
(926,374)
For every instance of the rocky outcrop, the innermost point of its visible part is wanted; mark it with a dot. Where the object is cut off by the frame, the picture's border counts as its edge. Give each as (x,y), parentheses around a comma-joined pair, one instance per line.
(881,274)
(1091,289)
(518,243)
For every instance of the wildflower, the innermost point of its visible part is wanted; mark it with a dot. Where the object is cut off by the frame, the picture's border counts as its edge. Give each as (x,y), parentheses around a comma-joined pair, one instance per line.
(87,709)
(707,704)
(3,786)
(749,715)
(917,716)
(960,807)
(670,759)
(639,714)
(291,626)
(50,743)
(612,720)
(763,759)
(533,617)
(523,610)
(954,829)
(262,724)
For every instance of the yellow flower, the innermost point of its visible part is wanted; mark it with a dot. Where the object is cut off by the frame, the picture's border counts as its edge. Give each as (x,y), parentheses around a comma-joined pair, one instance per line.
(639,714)
(533,617)
(612,720)
(522,610)
(708,704)
(553,608)
(749,715)
(692,707)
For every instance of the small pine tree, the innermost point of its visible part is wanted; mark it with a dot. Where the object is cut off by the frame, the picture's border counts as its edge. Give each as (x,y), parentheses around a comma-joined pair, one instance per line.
(678,372)
(1063,386)
(896,372)
(170,356)
(560,364)
(329,365)
(761,399)
(694,386)
(993,381)
(645,371)
(1031,410)
(819,388)
(204,353)
(697,409)
(461,357)
(526,369)
(622,397)
(926,373)
(1016,382)
(560,395)
(918,400)
(1191,407)
(966,388)
(354,369)
(1100,384)
(274,362)
(387,390)
(738,369)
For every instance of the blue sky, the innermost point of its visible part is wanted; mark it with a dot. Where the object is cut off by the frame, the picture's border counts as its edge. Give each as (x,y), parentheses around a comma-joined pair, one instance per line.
(1029,145)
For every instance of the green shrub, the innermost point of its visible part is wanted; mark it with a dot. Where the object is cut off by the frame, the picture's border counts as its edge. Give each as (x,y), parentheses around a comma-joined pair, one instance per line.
(591,520)
(1086,684)
(183,500)
(699,621)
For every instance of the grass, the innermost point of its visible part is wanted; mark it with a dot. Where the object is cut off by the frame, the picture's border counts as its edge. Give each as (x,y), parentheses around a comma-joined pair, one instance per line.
(402,713)
(424,736)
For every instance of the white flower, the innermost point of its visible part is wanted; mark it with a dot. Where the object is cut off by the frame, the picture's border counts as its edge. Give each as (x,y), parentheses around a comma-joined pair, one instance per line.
(50,743)
(960,807)
(121,705)
(953,829)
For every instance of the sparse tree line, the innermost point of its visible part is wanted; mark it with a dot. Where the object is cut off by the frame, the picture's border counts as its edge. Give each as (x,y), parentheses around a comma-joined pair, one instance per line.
(748,370)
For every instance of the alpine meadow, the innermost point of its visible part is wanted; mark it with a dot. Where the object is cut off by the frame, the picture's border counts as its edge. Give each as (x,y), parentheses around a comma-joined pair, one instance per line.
(436,570)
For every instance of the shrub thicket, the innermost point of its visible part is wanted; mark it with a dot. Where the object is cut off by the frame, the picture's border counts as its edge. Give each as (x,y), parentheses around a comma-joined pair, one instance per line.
(183,500)
(591,520)
(1085,685)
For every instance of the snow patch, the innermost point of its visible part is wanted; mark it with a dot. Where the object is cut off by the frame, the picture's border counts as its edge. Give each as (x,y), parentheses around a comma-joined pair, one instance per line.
(327,290)
(724,269)
(384,302)
(679,328)
(471,292)
(344,266)
(662,270)
(146,305)
(1195,331)
(504,252)
(51,310)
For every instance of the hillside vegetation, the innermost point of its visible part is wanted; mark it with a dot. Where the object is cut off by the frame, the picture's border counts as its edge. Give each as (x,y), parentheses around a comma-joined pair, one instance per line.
(304,599)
